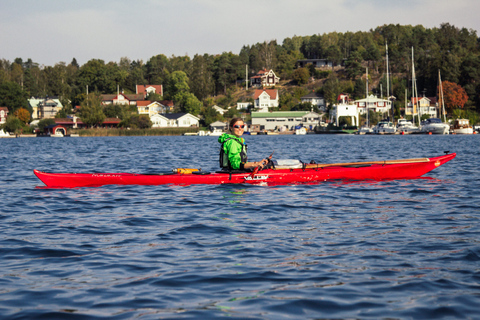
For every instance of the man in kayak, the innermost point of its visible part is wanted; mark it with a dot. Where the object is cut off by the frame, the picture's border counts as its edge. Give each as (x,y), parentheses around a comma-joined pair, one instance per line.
(233,153)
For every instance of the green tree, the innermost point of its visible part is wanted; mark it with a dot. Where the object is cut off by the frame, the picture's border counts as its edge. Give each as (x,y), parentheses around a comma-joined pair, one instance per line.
(331,89)
(13,97)
(353,65)
(301,76)
(42,124)
(13,124)
(91,111)
(201,80)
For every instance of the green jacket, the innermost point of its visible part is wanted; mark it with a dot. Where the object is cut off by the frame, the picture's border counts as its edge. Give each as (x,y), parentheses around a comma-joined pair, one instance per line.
(235,150)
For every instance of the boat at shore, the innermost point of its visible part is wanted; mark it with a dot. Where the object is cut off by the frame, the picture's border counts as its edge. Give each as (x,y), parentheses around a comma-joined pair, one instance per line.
(384,127)
(434,126)
(281,175)
(405,127)
(462,126)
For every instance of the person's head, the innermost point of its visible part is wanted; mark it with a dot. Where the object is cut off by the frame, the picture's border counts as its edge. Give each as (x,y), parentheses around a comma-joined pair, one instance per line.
(237,126)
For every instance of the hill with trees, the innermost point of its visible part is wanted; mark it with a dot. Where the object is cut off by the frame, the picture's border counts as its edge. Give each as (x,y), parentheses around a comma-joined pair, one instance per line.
(196,83)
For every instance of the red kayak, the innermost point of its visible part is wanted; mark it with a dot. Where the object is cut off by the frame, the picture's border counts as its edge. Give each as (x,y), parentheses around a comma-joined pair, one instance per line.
(373,170)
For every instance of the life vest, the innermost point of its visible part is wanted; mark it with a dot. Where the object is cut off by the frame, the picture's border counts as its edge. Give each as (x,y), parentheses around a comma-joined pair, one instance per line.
(224,162)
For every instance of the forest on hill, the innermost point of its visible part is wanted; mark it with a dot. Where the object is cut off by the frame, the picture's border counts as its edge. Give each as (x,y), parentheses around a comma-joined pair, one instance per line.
(195,84)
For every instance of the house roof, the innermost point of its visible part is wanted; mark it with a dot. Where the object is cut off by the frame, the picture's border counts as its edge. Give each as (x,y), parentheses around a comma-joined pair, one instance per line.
(60,121)
(144,103)
(271,92)
(175,116)
(415,100)
(142,88)
(4,108)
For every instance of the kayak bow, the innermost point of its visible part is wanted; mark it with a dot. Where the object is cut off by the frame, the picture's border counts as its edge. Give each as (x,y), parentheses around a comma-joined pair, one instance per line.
(375,170)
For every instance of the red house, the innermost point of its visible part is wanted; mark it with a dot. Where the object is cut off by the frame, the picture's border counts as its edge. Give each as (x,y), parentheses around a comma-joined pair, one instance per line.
(264,78)
(146,89)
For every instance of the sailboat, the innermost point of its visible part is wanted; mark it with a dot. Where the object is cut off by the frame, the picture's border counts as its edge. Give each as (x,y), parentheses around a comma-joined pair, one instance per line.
(435,125)
(366,128)
(386,126)
(403,125)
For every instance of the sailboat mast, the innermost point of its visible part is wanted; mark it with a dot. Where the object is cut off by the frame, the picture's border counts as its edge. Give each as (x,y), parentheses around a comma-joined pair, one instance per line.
(388,78)
(414,92)
(443,100)
(366,98)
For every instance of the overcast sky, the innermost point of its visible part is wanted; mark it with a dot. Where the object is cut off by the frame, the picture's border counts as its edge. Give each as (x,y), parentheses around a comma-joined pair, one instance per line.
(52,31)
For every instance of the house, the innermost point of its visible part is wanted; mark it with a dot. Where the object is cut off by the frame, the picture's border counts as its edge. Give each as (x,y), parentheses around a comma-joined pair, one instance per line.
(286,119)
(315,99)
(218,125)
(121,98)
(243,105)
(219,110)
(175,120)
(3,114)
(159,121)
(423,106)
(265,98)
(264,78)
(147,89)
(76,122)
(45,108)
(373,103)
(154,107)
(317,63)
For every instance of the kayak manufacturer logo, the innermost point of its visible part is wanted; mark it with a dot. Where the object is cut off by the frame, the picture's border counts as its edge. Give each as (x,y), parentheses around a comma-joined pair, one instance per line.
(257,177)
(105,175)
(437,163)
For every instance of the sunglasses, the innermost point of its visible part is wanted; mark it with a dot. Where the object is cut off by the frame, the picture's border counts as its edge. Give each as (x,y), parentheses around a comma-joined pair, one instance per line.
(238,127)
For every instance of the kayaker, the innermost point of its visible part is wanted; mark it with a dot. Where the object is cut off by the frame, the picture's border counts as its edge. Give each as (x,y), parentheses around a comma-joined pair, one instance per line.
(233,153)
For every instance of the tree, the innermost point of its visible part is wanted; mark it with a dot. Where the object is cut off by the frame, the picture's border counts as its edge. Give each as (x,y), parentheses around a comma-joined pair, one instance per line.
(45,123)
(353,65)
(23,115)
(13,124)
(455,96)
(301,76)
(91,111)
(12,96)
(201,77)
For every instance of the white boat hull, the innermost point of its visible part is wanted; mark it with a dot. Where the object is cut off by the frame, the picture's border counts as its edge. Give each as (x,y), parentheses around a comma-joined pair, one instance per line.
(463,131)
(436,129)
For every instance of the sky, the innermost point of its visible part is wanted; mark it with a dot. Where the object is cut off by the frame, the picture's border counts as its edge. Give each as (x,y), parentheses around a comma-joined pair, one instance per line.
(53,31)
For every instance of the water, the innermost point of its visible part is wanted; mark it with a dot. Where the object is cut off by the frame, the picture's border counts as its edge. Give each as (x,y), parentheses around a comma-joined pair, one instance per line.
(406,249)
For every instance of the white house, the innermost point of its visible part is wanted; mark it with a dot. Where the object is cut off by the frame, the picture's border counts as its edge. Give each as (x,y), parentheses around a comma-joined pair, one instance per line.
(287,119)
(424,106)
(181,120)
(373,103)
(219,110)
(315,99)
(243,105)
(159,121)
(265,98)
(152,107)
(3,114)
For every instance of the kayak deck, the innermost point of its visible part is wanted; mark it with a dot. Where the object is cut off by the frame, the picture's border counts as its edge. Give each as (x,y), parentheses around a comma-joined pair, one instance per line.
(375,170)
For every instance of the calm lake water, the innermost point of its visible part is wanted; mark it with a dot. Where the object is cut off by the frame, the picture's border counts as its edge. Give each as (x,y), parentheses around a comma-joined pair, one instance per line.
(406,249)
